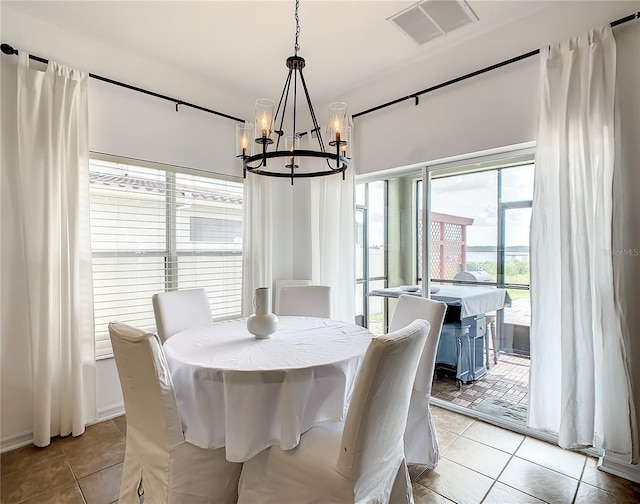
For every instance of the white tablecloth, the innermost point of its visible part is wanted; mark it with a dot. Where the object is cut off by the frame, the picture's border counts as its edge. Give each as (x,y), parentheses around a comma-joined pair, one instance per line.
(471,299)
(247,394)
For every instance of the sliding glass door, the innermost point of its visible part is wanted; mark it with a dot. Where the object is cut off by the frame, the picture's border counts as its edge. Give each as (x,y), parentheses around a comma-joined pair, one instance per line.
(514,217)
(371,253)
(479,237)
(463,226)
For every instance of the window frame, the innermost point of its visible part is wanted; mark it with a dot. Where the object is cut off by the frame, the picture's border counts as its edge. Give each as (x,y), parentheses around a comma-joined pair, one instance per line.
(171,251)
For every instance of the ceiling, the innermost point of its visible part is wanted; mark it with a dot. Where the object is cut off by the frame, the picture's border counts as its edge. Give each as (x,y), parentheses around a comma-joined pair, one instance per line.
(242,45)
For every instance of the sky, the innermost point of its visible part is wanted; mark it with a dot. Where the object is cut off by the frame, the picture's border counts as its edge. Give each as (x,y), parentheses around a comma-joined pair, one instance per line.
(474,196)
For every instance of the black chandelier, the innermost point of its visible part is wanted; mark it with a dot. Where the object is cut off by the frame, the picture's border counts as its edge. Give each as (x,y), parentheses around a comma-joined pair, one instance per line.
(255,153)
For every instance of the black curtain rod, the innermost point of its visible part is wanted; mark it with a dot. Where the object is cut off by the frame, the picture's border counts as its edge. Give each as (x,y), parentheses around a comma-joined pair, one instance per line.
(416,95)
(7,49)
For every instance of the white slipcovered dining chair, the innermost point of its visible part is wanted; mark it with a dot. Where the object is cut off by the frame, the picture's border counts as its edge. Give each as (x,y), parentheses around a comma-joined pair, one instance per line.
(360,460)
(179,310)
(158,461)
(285,283)
(421,444)
(305,300)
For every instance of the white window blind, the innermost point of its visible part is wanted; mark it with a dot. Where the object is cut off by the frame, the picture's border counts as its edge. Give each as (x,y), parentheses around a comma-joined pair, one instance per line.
(156,230)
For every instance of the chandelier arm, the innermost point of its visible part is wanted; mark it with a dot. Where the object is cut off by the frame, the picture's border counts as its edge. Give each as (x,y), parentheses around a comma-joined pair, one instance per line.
(285,96)
(295,111)
(252,169)
(312,112)
(295,101)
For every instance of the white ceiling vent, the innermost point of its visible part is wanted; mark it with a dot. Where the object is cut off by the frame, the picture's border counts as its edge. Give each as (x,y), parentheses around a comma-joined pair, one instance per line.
(430,19)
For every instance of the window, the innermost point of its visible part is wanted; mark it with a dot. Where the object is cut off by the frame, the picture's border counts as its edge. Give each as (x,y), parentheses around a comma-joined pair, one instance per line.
(493,209)
(479,215)
(156,229)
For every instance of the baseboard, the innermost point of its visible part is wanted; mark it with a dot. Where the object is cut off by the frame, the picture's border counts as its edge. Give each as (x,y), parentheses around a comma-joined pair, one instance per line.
(109,412)
(16,441)
(618,466)
(26,438)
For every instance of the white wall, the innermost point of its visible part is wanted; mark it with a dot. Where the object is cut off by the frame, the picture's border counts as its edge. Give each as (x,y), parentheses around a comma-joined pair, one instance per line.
(130,124)
(122,122)
(492,110)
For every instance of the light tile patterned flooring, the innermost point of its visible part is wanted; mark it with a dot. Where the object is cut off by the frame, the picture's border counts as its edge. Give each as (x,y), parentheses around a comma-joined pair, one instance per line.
(481,464)
(507,380)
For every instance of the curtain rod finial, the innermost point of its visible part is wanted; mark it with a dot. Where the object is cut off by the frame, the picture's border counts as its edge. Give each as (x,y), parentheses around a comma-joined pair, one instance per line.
(7,49)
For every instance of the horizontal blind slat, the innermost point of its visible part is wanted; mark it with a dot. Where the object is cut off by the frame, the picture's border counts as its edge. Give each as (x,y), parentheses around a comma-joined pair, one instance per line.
(133,212)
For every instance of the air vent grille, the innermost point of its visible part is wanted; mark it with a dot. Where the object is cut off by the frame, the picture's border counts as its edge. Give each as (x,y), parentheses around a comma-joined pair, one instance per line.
(417,25)
(430,19)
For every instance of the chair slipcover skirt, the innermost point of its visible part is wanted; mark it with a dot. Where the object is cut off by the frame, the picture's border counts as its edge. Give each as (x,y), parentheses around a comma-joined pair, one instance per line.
(158,461)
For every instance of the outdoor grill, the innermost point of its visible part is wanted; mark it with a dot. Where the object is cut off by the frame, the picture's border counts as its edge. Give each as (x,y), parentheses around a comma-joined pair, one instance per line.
(473,276)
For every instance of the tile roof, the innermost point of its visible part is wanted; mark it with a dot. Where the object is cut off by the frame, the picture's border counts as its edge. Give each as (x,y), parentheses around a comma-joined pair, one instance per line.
(157,185)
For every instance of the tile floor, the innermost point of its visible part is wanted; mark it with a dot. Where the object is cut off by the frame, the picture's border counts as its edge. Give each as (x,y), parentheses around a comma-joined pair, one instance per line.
(481,464)
(508,380)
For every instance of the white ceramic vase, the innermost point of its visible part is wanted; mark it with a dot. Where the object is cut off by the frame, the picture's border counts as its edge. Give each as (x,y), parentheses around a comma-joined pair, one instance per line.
(263,323)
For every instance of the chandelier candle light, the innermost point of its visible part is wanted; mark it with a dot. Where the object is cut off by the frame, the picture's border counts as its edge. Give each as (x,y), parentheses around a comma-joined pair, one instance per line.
(253,140)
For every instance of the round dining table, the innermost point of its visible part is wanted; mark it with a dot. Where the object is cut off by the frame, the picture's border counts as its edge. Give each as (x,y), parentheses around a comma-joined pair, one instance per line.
(248,394)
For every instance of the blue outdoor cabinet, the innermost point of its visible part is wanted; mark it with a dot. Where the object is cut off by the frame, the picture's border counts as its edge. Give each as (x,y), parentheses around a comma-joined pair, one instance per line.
(461,346)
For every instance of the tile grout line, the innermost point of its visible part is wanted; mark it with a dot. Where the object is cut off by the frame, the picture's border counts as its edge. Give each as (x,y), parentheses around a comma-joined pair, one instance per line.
(491,446)
(584,466)
(495,480)
(579,480)
(75,476)
(512,455)
(73,471)
(12,472)
(458,435)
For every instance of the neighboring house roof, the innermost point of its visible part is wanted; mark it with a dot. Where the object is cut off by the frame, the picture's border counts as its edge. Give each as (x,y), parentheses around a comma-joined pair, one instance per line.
(157,185)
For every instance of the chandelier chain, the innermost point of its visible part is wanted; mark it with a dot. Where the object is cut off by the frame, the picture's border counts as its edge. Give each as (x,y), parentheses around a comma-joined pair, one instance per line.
(297,46)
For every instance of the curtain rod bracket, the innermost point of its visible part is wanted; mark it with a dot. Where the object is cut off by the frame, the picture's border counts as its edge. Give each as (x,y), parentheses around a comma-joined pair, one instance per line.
(417,99)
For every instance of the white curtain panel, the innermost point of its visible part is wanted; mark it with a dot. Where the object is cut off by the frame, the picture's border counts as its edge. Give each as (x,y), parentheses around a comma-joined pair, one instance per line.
(257,250)
(332,229)
(53,189)
(580,382)
(320,225)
